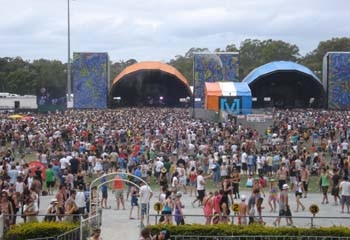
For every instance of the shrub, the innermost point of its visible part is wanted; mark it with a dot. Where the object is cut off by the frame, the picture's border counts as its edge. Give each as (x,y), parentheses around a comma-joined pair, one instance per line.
(25,231)
(249,230)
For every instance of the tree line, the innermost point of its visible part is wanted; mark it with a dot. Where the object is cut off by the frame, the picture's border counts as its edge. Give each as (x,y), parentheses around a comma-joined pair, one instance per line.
(28,77)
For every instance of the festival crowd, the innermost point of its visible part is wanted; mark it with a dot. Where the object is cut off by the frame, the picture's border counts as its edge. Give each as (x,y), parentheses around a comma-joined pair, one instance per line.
(180,154)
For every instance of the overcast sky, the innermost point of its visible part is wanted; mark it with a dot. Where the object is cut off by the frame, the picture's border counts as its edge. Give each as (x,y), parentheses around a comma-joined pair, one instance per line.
(159,30)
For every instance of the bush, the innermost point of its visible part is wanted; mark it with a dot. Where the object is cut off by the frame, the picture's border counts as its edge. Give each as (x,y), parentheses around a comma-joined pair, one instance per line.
(249,230)
(25,231)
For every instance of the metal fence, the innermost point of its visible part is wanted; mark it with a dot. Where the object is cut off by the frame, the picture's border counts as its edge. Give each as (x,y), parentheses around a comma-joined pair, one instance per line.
(259,238)
(87,225)
(299,221)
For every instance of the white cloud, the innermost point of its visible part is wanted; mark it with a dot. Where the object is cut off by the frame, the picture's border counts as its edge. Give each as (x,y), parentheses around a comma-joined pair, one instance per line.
(161,29)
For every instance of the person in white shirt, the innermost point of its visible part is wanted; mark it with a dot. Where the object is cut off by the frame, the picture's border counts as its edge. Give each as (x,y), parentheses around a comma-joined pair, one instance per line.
(80,199)
(146,194)
(344,147)
(64,162)
(200,187)
(345,194)
(158,166)
(244,158)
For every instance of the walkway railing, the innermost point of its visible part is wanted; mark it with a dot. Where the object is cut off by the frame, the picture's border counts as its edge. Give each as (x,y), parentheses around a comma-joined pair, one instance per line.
(258,238)
(87,225)
(299,221)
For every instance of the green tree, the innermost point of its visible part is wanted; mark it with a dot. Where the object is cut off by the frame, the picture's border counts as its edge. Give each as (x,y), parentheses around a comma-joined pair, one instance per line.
(313,60)
(194,50)
(254,53)
(51,75)
(117,67)
(184,65)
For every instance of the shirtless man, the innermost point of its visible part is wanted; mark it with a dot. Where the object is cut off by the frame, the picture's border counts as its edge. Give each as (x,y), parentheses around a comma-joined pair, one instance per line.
(305,177)
(242,211)
(61,196)
(282,175)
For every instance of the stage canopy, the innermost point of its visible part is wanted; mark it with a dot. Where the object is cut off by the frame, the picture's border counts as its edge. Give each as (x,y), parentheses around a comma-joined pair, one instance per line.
(228,92)
(150,84)
(285,84)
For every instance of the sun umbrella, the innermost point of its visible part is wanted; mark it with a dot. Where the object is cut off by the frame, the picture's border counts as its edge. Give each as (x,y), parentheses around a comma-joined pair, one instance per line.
(16,116)
(34,165)
(28,118)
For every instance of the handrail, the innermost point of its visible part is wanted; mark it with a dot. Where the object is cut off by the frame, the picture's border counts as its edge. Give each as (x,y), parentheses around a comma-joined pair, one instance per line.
(234,217)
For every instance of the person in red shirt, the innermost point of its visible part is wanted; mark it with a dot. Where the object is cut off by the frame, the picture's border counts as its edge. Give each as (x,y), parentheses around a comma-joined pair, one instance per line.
(118,185)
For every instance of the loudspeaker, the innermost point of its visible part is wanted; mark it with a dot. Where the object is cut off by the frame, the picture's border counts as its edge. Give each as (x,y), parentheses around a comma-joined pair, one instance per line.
(17,104)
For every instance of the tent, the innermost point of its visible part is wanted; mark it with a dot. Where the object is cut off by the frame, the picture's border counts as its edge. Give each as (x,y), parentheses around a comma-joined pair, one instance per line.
(212,94)
(287,85)
(228,92)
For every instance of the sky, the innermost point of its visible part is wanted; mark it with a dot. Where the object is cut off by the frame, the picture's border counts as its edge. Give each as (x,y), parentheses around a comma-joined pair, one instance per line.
(159,30)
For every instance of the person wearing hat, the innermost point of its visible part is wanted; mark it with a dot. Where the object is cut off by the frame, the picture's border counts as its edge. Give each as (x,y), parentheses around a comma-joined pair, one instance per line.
(52,211)
(178,212)
(243,211)
(284,210)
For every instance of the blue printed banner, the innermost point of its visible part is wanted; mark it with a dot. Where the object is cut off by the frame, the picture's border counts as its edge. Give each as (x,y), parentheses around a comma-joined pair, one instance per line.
(90,80)
(213,67)
(339,81)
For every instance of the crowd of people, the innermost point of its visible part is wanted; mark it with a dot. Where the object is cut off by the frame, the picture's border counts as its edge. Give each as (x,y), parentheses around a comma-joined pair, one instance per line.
(181,154)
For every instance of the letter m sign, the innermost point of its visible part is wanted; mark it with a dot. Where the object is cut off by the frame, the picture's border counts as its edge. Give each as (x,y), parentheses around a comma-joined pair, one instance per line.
(232,105)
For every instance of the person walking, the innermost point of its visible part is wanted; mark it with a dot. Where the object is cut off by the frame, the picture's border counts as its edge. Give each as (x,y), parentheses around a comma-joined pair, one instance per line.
(325,182)
(134,202)
(243,211)
(235,182)
(273,195)
(104,191)
(50,179)
(208,208)
(345,194)
(178,209)
(284,210)
(305,178)
(335,186)
(200,187)
(299,189)
(118,186)
(80,199)
(146,194)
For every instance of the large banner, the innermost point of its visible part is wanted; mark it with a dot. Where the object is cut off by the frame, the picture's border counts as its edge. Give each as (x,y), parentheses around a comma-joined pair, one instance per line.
(90,80)
(339,81)
(212,67)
